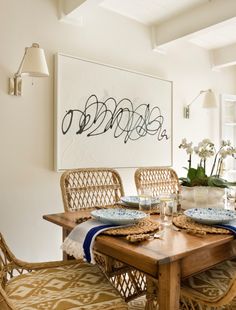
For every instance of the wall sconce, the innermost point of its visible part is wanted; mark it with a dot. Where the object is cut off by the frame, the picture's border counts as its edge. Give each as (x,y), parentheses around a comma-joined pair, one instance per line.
(33,64)
(208,102)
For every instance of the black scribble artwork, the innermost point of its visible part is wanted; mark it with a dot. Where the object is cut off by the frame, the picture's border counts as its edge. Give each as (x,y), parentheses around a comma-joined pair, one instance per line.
(120,117)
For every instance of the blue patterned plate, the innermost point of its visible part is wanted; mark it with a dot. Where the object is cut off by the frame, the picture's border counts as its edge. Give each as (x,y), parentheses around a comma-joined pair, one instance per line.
(133,201)
(118,216)
(211,216)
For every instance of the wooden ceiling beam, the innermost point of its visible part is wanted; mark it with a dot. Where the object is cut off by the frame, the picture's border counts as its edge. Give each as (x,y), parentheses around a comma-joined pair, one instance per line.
(223,57)
(196,20)
(68,6)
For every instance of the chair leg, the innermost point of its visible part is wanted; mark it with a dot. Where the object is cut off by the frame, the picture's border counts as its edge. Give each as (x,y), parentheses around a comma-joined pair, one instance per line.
(151,295)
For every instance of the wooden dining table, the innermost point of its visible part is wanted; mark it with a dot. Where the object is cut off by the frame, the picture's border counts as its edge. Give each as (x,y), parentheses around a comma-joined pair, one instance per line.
(169,260)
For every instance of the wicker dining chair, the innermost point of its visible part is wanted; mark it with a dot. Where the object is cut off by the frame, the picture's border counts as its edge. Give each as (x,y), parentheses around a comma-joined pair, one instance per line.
(210,290)
(157,179)
(90,187)
(60,285)
(87,188)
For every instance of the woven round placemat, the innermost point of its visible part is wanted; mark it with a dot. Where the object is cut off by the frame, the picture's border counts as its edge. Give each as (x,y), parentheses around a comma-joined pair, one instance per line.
(182,221)
(142,227)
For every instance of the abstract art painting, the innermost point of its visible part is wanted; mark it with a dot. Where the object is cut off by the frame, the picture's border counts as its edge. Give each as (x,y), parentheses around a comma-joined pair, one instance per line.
(106,116)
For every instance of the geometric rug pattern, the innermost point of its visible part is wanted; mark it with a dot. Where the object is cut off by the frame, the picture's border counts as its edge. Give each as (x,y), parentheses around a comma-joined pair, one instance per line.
(137,304)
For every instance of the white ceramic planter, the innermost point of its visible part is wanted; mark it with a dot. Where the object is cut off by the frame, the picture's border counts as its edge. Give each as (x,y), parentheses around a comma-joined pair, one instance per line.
(202,196)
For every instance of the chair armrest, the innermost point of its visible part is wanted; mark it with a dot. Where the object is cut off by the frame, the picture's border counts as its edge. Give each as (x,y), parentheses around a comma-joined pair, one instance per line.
(43,265)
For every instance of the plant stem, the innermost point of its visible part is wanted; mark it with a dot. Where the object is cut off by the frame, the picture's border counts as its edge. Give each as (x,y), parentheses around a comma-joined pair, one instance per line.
(189,161)
(218,167)
(214,163)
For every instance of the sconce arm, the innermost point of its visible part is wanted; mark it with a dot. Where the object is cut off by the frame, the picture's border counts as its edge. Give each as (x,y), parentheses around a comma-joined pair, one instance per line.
(187,107)
(18,72)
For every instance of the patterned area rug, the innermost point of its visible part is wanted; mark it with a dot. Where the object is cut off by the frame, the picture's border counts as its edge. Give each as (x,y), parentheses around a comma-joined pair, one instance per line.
(137,304)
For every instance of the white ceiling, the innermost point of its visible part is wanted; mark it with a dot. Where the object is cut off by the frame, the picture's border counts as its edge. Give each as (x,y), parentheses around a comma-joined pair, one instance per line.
(210,24)
(154,12)
(149,12)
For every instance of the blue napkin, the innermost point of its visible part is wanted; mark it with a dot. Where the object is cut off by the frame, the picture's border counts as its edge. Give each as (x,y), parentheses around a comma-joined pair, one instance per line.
(230,226)
(90,237)
(79,242)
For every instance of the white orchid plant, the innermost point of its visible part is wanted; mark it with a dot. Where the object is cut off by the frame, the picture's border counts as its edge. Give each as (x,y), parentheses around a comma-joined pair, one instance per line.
(205,150)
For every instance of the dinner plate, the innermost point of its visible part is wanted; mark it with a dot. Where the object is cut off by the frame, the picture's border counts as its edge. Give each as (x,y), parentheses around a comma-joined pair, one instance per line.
(134,201)
(211,216)
(118,216)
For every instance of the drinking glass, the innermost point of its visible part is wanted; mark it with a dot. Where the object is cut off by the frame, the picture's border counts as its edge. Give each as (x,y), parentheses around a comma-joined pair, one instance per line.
(230,198)
(167,204)
(145,200)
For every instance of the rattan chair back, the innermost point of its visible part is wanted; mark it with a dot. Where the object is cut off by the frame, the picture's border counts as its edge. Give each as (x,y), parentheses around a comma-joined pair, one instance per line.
(157,179)
(5,303)
(8,263)
(88,188)
(9,266)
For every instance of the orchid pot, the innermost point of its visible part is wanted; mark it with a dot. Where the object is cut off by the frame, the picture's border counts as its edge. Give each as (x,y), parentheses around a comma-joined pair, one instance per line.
(202,196)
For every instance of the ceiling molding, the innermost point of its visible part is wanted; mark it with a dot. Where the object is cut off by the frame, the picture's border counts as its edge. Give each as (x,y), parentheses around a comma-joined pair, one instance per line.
(204,16)
(223,57)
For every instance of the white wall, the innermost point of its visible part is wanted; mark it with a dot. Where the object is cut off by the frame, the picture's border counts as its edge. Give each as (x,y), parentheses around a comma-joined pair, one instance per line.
(29,187)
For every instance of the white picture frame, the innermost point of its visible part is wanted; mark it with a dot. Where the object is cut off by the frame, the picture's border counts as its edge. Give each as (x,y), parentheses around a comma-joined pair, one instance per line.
(106,116)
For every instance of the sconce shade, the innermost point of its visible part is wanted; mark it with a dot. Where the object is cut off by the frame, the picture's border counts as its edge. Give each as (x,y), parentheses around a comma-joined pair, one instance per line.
(209,100)
(34,62)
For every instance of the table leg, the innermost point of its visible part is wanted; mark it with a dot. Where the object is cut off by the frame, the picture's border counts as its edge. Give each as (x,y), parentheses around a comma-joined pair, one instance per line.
(65,233)
(169,286)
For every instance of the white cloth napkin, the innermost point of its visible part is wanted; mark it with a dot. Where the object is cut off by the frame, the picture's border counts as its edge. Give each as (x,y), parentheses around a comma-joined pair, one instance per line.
(79,242)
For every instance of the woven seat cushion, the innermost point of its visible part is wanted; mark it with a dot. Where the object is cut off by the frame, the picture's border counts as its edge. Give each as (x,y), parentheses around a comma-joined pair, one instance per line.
(78,286)
(211,285)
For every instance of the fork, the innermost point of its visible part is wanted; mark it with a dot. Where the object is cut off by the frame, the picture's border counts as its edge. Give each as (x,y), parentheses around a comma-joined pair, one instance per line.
(158,235)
